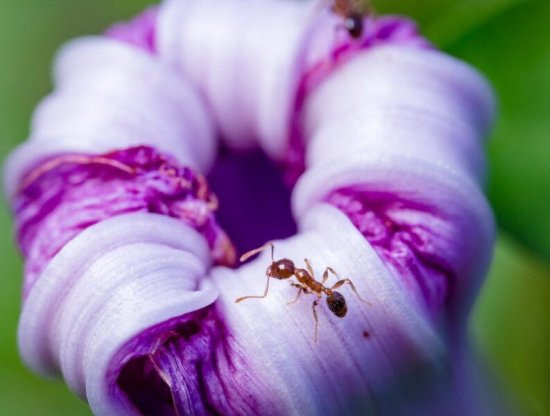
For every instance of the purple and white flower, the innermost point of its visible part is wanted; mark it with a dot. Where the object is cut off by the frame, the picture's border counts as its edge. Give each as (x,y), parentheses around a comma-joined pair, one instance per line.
(383,138)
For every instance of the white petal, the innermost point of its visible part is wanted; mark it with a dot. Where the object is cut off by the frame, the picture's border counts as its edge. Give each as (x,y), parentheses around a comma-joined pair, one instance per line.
(249,81)
(410,123)
(321,377)
(397,101)
(109,283)
(103,104)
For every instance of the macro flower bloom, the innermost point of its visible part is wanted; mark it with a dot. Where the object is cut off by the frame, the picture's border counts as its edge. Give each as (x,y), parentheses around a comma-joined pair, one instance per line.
(381,139)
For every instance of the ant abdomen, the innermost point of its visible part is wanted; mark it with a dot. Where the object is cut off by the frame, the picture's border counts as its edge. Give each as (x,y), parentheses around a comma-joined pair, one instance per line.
(337,304)
(354,25)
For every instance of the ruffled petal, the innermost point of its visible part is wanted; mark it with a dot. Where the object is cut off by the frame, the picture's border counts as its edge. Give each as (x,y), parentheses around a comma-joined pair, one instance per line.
(111,282)
(115,111)
(400,131)
(356,360)
(139,32)
(248,88)
(129,309)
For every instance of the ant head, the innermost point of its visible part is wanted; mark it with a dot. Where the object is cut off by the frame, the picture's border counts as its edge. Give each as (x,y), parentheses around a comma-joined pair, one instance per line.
(337,304)
(281,269)
(354,25)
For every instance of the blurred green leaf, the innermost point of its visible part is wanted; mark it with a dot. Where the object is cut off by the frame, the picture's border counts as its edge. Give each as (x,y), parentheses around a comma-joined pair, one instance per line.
(512,49)
(22,393)
(445,21)
(423,11)
(30,33)
(512,326)
(508,40)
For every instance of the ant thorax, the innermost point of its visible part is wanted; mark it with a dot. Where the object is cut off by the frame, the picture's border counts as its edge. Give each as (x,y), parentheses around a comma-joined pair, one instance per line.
(303,276)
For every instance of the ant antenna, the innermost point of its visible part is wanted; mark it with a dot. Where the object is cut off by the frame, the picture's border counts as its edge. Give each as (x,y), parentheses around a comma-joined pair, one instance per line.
(251,253)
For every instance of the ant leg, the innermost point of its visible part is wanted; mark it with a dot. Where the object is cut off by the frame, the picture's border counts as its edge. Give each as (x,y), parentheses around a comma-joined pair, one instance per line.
(315,303)
(162,340)
(255,297)
(296,298)
(308,267)
(301,289)
(250,253)
(343,282)
(325,275)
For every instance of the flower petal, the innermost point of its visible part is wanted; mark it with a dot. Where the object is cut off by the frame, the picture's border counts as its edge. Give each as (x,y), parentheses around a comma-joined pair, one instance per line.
(139,32)
(408,126)
(248,90)
(128,305)
(355,361)
(116,110)
(142,269)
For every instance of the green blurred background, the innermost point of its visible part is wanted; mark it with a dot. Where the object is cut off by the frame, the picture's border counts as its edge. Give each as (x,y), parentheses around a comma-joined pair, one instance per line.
(508,40)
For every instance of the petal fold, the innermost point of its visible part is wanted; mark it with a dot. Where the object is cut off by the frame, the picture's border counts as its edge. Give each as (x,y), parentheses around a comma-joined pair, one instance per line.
(127,307)
(101,104)
(111,282)
(402,129)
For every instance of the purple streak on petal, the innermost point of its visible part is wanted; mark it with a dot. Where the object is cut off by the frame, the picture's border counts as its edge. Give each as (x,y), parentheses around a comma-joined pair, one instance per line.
(188,365)
(63,201)
(138,32)
(397,29)
(193,357)
(381,31)
(413,249)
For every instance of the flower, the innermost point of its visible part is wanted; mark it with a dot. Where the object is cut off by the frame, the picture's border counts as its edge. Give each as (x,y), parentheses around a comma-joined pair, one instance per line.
(120,233)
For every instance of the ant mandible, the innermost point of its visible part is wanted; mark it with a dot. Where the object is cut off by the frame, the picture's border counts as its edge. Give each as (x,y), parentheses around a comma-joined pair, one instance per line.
(353,12)
(285,268)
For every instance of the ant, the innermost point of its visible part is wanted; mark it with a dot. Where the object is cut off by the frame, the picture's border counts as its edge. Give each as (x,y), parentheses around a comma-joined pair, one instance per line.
(353,12)
(285,268)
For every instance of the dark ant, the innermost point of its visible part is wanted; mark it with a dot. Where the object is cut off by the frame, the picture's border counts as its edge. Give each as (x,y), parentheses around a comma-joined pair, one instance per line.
(353,12)
(284,269)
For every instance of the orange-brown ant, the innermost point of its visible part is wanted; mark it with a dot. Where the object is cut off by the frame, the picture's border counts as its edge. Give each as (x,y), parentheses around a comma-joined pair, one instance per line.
(285,268)
(353,12)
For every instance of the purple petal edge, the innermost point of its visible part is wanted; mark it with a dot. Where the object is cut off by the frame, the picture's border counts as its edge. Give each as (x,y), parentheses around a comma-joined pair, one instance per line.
(59,203)
(413,249)
(192,364)
(139,32)
(378,31)
(195,351)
